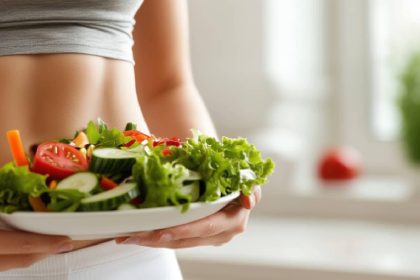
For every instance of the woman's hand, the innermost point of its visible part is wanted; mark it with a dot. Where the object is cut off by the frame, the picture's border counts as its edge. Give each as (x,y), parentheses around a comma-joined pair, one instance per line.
(21,249)
(216,229)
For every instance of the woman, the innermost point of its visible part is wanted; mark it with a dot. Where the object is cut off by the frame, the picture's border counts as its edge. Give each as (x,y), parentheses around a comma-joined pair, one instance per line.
(65,62)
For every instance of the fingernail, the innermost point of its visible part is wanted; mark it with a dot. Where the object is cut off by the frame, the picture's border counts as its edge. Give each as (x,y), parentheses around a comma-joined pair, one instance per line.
(166,237)
(65,248)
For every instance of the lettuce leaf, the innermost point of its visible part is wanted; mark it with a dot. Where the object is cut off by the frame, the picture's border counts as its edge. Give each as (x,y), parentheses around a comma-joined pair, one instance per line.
(224,167)
(102,136)
(160,182)
(65,200)
(227,166)
(16,185)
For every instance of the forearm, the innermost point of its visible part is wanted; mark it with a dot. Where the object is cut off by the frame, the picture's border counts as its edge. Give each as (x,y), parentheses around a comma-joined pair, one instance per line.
(175,111)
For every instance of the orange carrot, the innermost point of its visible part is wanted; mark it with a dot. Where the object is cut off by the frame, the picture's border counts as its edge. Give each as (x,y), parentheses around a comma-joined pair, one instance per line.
(16,146)
(37,204)
(53,185)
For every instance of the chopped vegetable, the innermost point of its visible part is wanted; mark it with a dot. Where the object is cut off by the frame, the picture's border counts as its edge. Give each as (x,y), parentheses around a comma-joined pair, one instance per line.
(107,184)
(85,182)
(58,160)
(17,183)
(64,200)
(52,185)
(130,126)
(127,170)
(168,142)
(136,136)
(112,161)
(166,152)
(81,140)
(111,199)
(161,182)
(101,136)
(16,146)
(92,133)
(37,204)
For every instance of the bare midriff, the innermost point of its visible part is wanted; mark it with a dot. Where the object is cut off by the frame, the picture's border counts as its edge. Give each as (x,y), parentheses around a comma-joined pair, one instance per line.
(50,96)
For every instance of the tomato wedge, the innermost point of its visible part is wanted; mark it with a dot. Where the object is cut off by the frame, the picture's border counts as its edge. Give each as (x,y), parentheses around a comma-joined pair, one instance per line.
(136,136)
(58,160)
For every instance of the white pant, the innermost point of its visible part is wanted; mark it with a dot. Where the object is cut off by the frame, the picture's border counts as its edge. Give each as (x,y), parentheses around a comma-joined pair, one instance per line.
(107,261)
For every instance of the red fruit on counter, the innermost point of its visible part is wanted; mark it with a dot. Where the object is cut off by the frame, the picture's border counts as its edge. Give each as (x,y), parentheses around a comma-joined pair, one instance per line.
(339,164)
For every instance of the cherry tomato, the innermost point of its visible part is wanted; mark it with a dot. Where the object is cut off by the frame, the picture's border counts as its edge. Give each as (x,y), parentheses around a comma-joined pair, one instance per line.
(136,136)
(340,163)
(58,160)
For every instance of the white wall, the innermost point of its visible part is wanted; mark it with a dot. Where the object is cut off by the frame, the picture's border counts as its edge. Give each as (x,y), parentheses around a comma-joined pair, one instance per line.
(261,68)
(227,56)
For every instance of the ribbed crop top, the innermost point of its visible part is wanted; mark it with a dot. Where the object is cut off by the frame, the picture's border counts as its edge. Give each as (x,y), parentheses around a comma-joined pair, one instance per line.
(96,27)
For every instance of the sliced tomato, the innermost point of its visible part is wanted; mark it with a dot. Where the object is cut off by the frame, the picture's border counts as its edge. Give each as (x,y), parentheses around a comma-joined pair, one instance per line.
(168,142)
(136,135)
(58,160)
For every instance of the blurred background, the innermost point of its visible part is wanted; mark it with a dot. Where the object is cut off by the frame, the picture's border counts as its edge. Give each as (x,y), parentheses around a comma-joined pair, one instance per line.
(328,90)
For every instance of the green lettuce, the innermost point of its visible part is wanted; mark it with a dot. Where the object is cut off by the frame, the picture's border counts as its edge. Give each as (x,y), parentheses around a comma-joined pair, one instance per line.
(16,185)
(227,166)
(160,182)
(102,136)
(64,200)
(224,167)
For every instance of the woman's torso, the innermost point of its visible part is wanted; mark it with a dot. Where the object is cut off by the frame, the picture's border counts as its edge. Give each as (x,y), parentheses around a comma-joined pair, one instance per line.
(52,96)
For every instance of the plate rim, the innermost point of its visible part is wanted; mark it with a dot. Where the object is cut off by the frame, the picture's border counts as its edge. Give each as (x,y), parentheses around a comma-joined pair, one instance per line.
(227,198)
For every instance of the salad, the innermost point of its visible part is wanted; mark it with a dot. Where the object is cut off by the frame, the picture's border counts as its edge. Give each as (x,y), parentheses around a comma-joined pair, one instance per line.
(102,169)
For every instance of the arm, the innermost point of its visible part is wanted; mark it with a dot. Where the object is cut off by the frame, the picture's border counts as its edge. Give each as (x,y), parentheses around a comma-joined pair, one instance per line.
(20,249)
(172,105)
(166,91)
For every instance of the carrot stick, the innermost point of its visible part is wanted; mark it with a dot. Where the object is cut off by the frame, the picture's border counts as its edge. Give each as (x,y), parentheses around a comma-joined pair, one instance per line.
(16,147)
(37,204)
(53,185)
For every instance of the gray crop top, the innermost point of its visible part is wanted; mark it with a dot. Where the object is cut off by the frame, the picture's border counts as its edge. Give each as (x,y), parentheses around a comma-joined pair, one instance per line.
(96,27)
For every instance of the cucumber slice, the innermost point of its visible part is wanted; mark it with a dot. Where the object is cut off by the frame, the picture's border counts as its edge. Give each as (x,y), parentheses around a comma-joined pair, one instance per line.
(110,200)
(126,206)
(112,160)
(192,189)
(84,182)
(130,126)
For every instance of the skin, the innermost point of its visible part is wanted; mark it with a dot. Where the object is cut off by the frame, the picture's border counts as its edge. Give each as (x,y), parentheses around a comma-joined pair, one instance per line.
(51,95)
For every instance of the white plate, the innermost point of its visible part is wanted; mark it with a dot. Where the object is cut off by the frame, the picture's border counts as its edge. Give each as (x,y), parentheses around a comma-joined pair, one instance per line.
(107,224)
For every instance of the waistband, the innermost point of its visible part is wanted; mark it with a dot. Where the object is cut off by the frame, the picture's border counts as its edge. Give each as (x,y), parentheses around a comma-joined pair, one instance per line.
(104,261)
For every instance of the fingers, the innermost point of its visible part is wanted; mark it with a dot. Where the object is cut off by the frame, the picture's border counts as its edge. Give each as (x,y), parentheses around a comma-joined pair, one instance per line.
(249,202)
(216,240)
(257,194)
(216,229)
(213,229)
(19,261)
(17,242)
